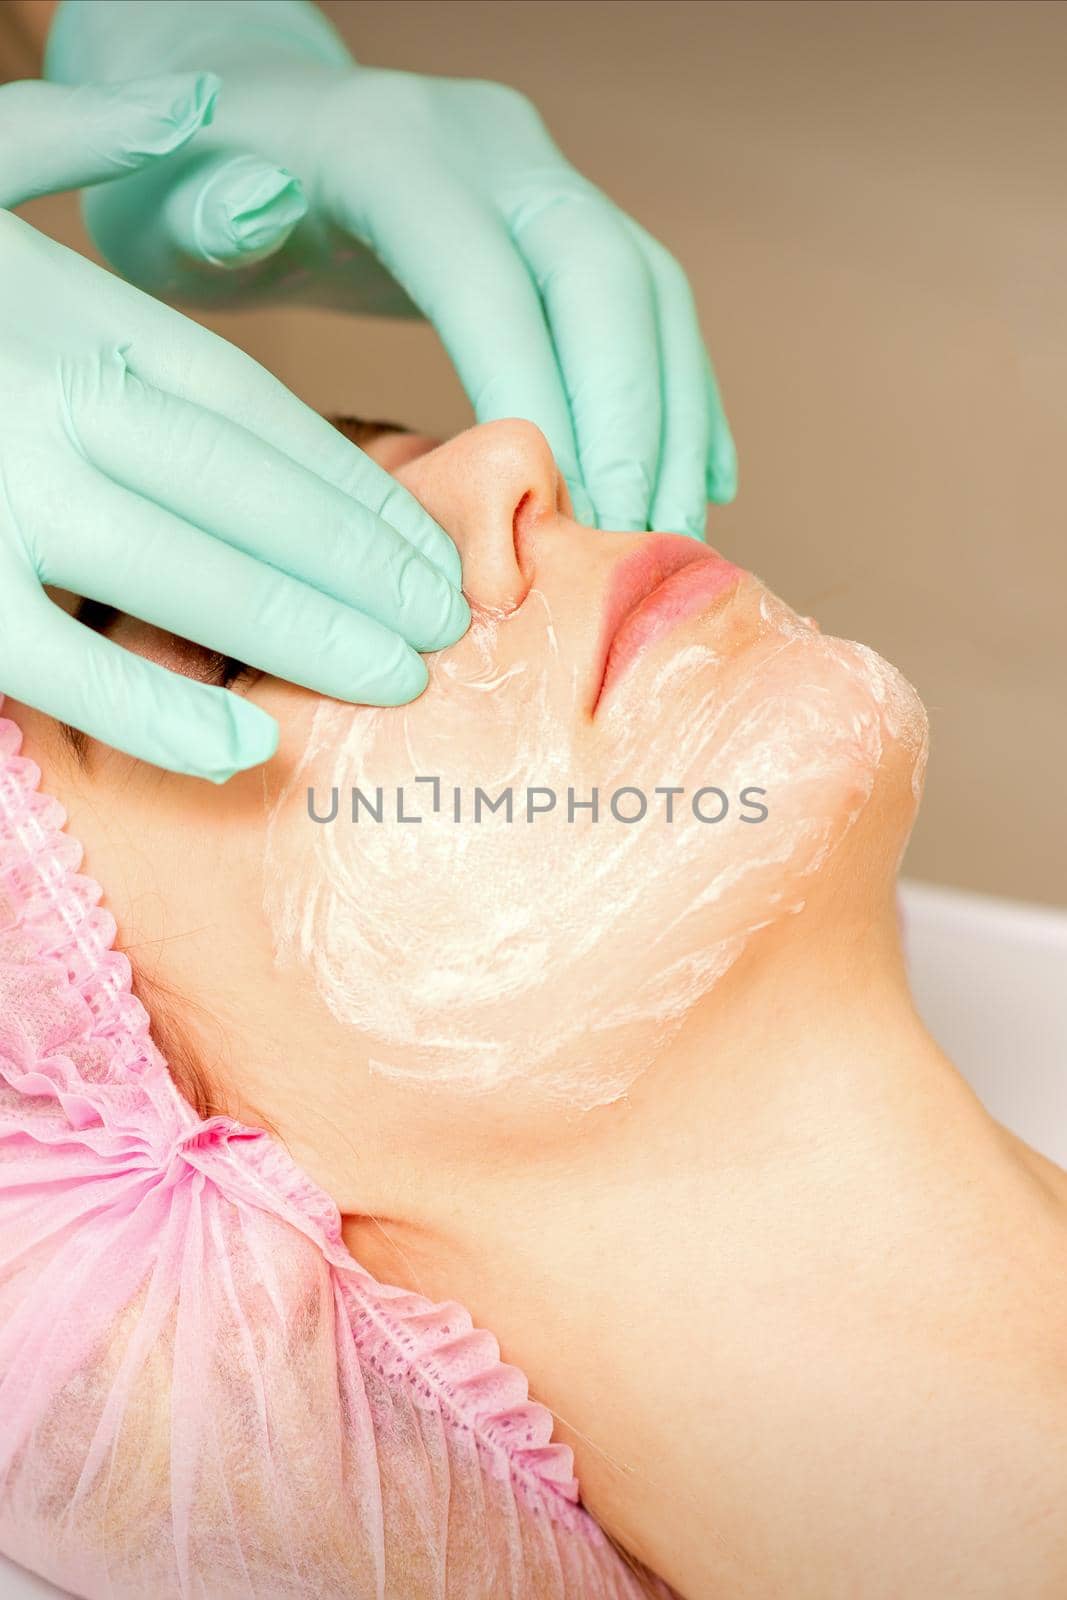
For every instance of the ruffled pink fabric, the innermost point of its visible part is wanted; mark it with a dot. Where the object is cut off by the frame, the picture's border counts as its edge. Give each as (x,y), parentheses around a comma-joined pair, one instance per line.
(202,1394)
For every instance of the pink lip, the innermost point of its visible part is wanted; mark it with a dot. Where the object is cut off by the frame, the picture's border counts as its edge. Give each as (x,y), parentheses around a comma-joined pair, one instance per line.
(665,580)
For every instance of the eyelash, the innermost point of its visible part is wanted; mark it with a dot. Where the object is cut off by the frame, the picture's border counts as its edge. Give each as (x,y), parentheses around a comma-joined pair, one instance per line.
(234,672)
(225,672)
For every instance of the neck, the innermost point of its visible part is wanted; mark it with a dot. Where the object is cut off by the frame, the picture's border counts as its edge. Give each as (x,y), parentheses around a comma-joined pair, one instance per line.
(763,1294)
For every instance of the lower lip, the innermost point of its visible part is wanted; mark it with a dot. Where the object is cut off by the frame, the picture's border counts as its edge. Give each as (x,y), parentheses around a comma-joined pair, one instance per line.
(692,590)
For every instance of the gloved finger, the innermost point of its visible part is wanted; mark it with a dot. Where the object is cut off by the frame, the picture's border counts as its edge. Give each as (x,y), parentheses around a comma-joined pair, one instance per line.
(679,504)
(54,138)
(64,669)
(179,355)
(722,455)
(215,475)
(196,365)
(697,413)
(227,209)
(223,252)
(474,287)
(135,555)
(218,208)
(598,297)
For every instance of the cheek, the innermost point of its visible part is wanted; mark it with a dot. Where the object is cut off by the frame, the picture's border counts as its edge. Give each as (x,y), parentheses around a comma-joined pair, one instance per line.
(477,951)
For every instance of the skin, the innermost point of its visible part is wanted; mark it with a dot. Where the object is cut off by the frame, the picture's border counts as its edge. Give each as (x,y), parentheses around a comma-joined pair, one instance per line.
(34,17)
(797,1301)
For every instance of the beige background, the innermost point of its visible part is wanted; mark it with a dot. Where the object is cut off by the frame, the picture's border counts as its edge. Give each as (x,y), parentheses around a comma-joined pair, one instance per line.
(871,199)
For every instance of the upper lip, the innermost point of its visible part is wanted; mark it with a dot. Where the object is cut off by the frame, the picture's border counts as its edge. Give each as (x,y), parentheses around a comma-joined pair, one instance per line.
(637,577)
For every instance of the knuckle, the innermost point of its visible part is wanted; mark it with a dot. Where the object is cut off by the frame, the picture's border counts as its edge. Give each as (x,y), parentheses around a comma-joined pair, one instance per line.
(669,270)
(90,387)
(408,581)
(276,605)
(502,101)
(395,112)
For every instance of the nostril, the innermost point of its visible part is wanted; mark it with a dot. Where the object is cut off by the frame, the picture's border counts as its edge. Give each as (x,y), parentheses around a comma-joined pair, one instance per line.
(522,524)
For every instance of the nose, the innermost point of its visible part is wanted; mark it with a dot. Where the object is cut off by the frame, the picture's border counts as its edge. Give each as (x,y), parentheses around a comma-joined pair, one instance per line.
(487,488)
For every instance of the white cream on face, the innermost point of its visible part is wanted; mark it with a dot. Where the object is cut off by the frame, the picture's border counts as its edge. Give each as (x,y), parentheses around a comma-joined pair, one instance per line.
(557,953)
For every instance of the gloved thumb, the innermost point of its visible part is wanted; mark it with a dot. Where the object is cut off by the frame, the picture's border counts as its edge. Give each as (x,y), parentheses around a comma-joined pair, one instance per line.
(54,138)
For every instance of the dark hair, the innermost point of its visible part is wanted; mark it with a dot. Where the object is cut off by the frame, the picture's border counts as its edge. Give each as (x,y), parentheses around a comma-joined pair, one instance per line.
(187,1067)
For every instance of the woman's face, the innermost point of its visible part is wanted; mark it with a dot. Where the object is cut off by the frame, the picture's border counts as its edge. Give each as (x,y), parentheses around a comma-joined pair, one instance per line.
(732,751)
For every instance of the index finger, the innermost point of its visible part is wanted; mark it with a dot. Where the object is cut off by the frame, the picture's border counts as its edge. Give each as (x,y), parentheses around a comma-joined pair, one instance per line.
(53,138)
(476,290)
(173,353)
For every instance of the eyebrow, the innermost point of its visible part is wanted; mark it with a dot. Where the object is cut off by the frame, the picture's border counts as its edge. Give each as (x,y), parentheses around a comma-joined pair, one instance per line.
(363,431)
(360,431)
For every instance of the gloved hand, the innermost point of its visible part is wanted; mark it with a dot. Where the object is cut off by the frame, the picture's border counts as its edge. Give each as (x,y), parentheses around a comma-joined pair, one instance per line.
(147,464)
(427,195)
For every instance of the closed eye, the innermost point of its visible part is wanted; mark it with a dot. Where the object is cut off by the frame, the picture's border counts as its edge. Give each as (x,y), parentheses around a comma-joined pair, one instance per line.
(196,662)
(205,666)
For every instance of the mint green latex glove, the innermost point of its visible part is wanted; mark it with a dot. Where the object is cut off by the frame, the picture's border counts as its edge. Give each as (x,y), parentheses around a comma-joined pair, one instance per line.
(147,464)
(425,195)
